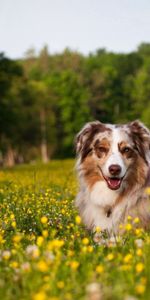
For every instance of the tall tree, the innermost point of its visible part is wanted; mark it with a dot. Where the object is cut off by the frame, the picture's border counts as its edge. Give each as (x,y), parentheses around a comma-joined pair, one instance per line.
(10,104)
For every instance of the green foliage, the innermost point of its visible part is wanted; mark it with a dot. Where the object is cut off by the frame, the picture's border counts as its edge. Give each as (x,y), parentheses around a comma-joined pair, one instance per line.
(46,99)
(72,109)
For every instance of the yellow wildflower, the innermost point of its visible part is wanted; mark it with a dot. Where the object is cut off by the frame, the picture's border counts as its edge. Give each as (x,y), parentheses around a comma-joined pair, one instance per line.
(17,238)
(60,284)
(147,190)
(2,241)
(45,233)
(138,231)
(63,211)
(140,289)
(40,240)
(97,229)
(44,220)
(78,220)
(125,267)
(39,296)
(85,241)
(84,249)
(139,267)
(74,264)
(127,258)
(70,253)
(128,227)
(13,224)
(139,252)
(12,216)
(90,249)
(136,220)
(129,218)
(143,280)
(13,251)
(99,269)
(42,266)
(55,244)
(110,256)
(46,278)
(14,264)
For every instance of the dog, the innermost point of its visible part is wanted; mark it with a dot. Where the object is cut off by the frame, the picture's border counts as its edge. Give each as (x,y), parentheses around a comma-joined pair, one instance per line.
(113,172)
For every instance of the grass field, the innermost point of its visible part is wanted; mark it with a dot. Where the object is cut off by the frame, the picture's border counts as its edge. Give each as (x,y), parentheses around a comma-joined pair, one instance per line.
(45,251)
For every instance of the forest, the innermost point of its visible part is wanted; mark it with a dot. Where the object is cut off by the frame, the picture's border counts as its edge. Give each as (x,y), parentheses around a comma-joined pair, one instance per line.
(46,98)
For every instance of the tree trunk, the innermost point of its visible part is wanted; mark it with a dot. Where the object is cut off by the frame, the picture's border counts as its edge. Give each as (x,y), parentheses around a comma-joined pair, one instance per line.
(44,151)
(9,160)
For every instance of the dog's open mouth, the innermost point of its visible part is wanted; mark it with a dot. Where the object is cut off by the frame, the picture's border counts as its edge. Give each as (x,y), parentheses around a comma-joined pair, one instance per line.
(113,182)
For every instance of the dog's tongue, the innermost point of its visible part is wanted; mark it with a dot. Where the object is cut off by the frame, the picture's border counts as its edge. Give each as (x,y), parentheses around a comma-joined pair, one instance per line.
(114,183)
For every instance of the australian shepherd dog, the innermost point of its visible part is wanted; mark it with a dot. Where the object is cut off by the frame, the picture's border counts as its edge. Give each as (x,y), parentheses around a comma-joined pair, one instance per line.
(113,171)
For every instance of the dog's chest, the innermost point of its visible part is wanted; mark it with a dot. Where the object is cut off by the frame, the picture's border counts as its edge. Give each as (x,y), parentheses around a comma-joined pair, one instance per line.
(102,196)
(103,206)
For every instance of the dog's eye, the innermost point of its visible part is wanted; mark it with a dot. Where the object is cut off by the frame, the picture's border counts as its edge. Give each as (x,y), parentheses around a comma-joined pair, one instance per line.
(102,149)
(126,149)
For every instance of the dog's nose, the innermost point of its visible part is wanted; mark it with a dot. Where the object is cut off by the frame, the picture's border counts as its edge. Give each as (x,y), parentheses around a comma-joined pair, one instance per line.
(115,170)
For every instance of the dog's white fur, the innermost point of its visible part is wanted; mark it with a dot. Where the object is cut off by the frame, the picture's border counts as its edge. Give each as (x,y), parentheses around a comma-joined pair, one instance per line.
(100,205)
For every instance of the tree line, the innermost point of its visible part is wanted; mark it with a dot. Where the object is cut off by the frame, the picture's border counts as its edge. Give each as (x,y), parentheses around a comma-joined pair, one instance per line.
(45,99)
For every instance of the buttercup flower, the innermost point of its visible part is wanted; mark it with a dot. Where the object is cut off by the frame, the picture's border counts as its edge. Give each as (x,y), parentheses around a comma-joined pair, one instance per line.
(140,289)
(74,264)
(78,220)
(99,269)
(139,267)
(40,296)
(44,220)
(85,241)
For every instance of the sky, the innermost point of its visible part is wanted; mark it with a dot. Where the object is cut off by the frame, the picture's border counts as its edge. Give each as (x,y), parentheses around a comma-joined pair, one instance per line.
(81,25)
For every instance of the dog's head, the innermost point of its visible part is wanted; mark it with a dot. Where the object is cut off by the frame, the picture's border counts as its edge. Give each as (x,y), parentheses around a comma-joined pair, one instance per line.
(114,151)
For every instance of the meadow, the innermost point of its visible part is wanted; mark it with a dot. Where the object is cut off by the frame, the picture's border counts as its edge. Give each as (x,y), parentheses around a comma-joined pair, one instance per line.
(47,254)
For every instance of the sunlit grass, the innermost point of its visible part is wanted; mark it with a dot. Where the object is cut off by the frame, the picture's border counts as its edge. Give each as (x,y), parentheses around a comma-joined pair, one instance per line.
(46,253)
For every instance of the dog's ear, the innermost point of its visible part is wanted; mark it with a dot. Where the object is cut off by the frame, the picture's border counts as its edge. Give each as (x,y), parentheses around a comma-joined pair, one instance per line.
(86,133)
(141,138)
